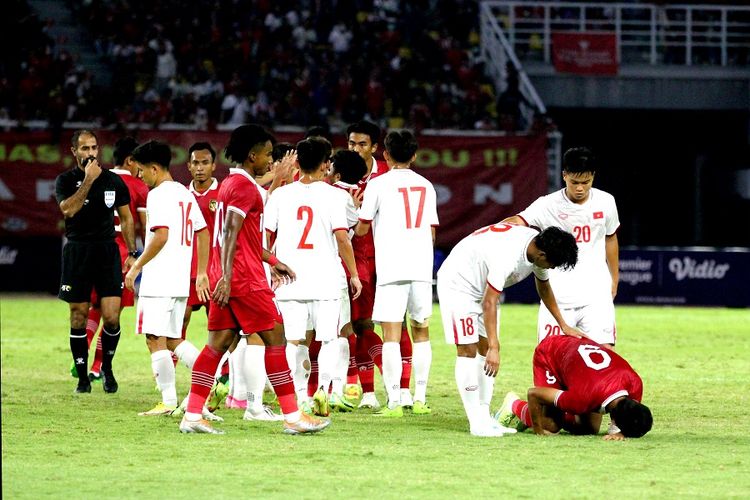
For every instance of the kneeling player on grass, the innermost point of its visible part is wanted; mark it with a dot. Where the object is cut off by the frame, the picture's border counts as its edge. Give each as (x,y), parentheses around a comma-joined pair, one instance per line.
(575,381)
(173,221)
(469,284)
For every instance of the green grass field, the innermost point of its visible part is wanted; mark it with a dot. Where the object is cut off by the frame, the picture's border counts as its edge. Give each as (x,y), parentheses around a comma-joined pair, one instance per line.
(695,364)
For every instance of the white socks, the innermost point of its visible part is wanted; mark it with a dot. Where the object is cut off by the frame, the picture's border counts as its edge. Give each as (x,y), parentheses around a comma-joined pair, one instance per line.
(342,366)
(163,368)
(486,385)
(255,376)
(468,387)
(392,371)
(187,353)
(298,359)
(238,386)
(421,360)
(328,359)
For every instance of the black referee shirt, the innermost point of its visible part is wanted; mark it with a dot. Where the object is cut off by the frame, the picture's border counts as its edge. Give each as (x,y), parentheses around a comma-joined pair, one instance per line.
(96,219)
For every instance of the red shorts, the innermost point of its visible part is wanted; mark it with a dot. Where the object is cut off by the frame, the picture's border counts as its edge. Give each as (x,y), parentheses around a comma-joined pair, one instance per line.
(256,312)
(362,307)
(193,299)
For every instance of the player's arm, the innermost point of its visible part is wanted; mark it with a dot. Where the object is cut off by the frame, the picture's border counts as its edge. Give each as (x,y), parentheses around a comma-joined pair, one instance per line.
(201,278)
(489,316)
(540,398)
(154,246)
(347,255)
(283,171)
(362,227)
(127,229)
(232,225)
(612,251)
(433,235)
(142,219)
(515,219)
(544,289)
(283,272)
(73,204)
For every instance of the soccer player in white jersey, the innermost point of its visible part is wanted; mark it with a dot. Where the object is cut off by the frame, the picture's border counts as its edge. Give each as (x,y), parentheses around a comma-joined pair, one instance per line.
(585,294)
(470,282)
(401,206)
(174,222)
(309,220)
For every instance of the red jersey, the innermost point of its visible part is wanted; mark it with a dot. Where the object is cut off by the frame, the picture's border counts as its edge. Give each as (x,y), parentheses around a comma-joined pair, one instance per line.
(138,195)
(364,246)
(589,375)
(207,202)
(239,193)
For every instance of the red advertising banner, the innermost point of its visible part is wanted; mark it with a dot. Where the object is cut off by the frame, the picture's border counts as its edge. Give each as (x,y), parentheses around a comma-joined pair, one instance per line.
(479,179)
(585,53)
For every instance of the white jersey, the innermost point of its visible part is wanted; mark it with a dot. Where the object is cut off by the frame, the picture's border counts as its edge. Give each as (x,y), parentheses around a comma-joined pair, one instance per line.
(402,207)
(491,256)
(170,205)
(589,222)
(305,218)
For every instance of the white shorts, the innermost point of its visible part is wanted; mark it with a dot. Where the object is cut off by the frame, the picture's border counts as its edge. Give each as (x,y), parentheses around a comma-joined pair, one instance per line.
(160,316)
(463,322)
(345,312)
(597,321)
(394,299)
(319,315)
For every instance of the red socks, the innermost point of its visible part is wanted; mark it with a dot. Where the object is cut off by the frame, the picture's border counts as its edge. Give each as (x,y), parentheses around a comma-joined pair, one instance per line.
(281,378)
(202,378)
(312,381)
(351,373)
(405,357)
(521,410)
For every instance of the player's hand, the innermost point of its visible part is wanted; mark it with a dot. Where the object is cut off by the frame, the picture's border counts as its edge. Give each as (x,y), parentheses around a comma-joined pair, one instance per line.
(285,168)
(492,362)
(131,276)
(355,286)
(92,169)
(617,436)
(572,331)
(221,293)
(357,195)
(129,262)
(284,273)
(202,287)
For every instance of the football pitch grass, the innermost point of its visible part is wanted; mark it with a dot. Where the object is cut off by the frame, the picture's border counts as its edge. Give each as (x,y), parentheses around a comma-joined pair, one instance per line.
(695,364)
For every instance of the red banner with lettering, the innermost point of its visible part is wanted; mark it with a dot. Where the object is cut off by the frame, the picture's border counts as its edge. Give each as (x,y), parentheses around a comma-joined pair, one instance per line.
(585,53)
(479,179)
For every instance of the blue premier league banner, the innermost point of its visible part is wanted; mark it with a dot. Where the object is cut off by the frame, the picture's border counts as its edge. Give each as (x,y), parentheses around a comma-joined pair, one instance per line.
(691,276)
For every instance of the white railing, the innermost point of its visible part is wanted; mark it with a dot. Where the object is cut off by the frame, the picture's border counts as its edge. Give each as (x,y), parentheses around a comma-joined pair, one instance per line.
(717,35)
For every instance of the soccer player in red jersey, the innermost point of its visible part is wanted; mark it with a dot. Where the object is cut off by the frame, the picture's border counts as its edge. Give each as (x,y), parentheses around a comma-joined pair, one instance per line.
(576,380)
(242,298)
(128,172)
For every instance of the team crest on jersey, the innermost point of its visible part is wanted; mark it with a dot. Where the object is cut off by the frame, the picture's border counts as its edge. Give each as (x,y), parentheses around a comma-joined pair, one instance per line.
(598,215)
(109,198)
(562,216)
(212,205)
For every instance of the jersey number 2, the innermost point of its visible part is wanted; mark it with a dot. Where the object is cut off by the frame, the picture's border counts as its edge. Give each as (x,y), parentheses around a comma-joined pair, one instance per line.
(407,205)
(306,213)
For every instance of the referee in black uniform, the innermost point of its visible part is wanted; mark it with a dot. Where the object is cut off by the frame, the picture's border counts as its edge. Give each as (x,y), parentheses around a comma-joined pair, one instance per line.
(88,197)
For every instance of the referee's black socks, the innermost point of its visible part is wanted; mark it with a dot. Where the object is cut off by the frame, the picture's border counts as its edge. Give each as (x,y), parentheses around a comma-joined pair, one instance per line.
(79,347)
(110,339)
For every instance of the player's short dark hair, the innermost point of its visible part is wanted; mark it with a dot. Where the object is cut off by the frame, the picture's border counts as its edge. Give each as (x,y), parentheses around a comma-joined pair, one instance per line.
(244,139)
(123,148)
(280,149)
(401,145)
(349,165)
(560,247)
(311,152)
(153,152)
(365,127)
(200,146)
(319,131)
(633,418)
(77,135)
(579,160)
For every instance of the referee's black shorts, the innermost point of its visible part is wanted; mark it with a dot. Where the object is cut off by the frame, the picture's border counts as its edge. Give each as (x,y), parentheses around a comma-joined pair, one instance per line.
(90,264)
